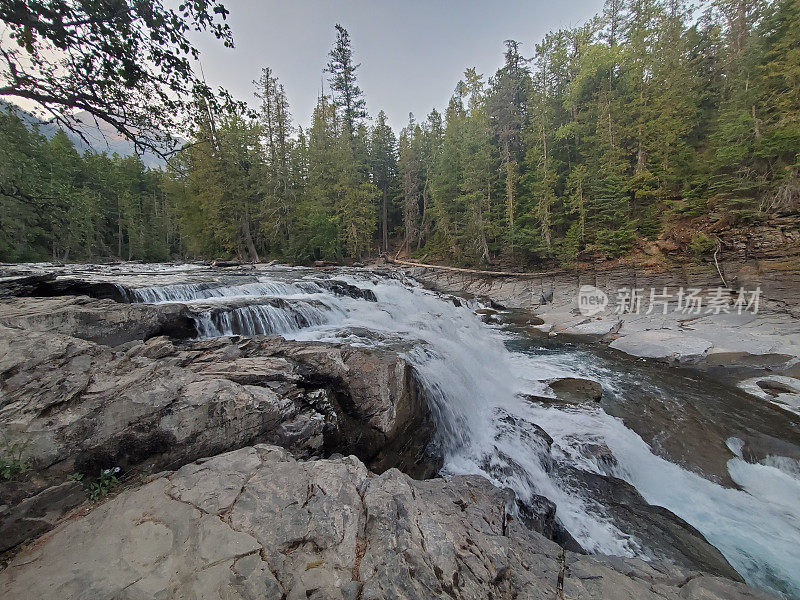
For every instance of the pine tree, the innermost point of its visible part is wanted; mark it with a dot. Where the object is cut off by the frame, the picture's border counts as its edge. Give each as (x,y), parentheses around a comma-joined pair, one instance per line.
(275,181)
(409,165)
(446,179)
(383,166)
(347,96)
(507,109)
(318,235)
(478,162)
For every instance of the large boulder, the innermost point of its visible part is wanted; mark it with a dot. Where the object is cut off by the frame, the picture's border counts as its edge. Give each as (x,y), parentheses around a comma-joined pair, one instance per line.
(257,523)
(574,390)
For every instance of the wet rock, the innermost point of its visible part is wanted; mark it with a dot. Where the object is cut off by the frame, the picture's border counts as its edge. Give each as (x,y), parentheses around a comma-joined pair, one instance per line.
(489,315)
(539,514)
(780,390)
(665,535)
(537,331)
(51,286)
(602,454)
(342,288)
(103,321)
(520,318)
(522,429)
(457,301)
(256,523)
(756,447)
(574,390)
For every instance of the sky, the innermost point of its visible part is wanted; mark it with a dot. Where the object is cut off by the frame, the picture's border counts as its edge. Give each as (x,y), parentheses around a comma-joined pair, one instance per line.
(412,52)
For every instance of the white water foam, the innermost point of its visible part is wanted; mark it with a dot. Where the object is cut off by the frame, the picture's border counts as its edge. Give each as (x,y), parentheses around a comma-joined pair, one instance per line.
(486,427)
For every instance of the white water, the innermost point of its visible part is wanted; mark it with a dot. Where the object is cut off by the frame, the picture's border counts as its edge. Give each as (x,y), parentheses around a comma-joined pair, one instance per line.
(190,292)
(485,427)
(261,319)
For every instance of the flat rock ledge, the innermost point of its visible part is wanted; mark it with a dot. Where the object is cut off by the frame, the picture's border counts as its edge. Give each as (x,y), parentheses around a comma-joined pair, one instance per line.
(258,523)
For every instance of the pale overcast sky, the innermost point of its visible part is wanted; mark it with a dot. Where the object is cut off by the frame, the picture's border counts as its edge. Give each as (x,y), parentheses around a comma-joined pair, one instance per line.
(412,52)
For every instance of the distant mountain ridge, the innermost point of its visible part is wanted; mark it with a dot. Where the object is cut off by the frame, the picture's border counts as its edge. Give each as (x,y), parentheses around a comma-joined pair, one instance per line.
(101,135)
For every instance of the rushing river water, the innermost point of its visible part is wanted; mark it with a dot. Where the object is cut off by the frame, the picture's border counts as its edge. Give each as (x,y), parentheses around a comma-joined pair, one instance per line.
(664,427)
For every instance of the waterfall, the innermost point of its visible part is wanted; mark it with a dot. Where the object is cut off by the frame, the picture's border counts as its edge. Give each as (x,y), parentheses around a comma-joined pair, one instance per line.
(190,292)
(477,385)
(260,319)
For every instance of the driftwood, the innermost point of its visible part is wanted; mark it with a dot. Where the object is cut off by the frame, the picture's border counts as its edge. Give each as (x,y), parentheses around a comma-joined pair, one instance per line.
(409,263)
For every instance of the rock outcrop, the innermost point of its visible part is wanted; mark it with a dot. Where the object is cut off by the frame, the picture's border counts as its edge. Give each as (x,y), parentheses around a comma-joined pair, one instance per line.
(257,523)
(98,320)
(81,406)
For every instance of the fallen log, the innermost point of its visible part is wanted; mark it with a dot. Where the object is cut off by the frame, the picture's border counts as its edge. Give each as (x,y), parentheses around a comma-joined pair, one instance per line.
(409,263)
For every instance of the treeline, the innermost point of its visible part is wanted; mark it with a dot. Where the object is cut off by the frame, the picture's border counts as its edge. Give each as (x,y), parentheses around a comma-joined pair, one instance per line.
(256,185)
(652,112)
(644,114)
(58,205)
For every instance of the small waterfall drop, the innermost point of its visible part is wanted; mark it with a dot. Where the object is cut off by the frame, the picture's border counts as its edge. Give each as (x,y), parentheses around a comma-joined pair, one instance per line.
(261,319)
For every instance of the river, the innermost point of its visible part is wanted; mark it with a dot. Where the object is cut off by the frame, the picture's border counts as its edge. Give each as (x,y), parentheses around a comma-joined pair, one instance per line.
(677,436)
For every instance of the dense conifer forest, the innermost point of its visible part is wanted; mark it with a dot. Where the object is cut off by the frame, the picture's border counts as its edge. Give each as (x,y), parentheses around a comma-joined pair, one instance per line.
(598,138)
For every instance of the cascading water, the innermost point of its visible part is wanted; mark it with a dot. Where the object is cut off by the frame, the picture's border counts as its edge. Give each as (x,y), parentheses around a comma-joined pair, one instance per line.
(261,319)
(261,307)
(477,383)
(189,292)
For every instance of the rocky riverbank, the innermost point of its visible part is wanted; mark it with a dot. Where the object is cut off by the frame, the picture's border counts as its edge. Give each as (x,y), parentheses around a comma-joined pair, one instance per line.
(257,523)
(739,345)
(88,384)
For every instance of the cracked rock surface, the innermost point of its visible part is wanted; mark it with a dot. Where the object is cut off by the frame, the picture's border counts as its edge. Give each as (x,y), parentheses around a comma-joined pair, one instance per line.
(258,523)
(97,320)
